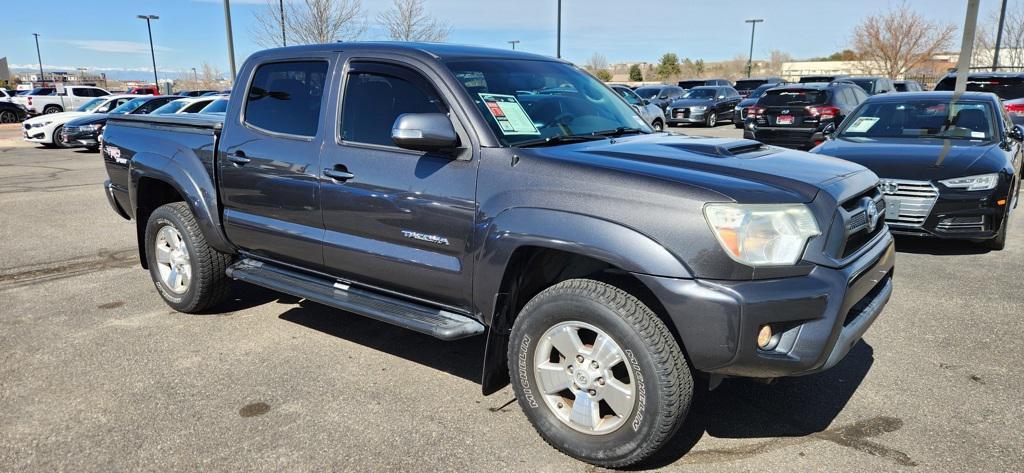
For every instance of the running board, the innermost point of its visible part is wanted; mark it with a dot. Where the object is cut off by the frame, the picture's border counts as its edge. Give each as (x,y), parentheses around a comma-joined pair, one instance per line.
(437,323)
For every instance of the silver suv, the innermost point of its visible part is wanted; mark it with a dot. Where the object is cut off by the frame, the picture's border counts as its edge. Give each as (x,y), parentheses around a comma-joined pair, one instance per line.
(651,113)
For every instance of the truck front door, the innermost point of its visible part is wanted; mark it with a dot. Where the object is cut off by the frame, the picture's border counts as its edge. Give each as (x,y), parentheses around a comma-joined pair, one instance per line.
(269,162)
(403,220)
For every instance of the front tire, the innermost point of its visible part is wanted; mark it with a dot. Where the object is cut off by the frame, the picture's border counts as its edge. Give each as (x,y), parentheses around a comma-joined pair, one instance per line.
(58,138)
(658,126)
(999,242)
(8,116)
(187,272)
(712,120)
(628,395)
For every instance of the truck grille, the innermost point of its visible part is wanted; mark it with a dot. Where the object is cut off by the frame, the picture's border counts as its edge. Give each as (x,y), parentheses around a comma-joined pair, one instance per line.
(862,219)
(909,202)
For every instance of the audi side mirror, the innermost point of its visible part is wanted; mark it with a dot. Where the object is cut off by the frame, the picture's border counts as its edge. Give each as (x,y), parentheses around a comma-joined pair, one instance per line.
(424,132)
(829,130)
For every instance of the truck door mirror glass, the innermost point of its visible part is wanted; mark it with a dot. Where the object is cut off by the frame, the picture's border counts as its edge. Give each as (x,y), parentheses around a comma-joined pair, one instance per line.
(1017,133)
(424,132)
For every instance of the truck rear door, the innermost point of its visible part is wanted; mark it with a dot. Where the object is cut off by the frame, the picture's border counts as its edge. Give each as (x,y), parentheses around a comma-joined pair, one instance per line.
(269,160)
(403,221)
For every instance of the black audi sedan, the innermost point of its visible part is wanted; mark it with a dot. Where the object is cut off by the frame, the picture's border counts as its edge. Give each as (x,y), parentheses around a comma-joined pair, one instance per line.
(85,131)
(704,105)
(794,115)
(948,169)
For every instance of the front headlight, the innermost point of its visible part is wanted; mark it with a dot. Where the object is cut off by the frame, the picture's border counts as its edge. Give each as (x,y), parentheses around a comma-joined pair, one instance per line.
(40,124)
(762,234)
(981,182)
(699,107)
(92,127)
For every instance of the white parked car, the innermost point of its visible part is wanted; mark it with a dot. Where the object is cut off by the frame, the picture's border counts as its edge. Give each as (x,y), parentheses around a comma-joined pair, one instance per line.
(220,105)
(184,105)
(55,101)
(46,129)
(7,95)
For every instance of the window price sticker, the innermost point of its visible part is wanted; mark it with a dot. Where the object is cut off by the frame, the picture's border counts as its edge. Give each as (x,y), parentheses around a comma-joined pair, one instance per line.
(511,118)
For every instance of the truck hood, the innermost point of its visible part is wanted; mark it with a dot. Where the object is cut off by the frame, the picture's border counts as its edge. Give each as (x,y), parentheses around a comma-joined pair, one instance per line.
(742,170)
(916,159)
(55,117)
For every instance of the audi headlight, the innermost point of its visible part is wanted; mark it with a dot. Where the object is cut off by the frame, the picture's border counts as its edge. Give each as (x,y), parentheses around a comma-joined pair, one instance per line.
(93,127)
(699,107)
(981,182)
(762,234)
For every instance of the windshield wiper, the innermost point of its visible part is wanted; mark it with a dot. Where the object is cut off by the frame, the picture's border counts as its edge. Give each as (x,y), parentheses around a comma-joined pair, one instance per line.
(617,132)
(558,140)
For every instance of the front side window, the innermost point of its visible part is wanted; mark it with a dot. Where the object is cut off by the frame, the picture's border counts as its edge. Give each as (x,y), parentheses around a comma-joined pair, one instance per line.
(528,101)
(196,106)
(376,94)
(169,108)
(630,96)
(285,97)
(129,106)
(648,92)
(925,118)
(90,105)
(151,105)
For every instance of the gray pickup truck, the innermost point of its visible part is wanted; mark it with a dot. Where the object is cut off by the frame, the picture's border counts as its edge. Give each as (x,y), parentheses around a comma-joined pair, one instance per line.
(460,191)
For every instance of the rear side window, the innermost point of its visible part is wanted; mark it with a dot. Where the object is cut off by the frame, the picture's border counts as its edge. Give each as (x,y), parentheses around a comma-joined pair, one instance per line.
(376,94)
(285,97)
(1006,88)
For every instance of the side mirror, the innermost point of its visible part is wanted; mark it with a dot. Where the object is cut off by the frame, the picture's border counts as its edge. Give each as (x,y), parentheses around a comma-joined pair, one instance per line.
(720,97)
(424,132)
(1017,133)
(645,101)
(829,130)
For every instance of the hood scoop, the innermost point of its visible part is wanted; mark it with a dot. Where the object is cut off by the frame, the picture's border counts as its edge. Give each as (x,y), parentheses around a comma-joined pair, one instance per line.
(728,149)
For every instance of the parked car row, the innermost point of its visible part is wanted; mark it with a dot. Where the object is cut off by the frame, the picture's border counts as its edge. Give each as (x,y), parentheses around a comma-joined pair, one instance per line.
(83,126)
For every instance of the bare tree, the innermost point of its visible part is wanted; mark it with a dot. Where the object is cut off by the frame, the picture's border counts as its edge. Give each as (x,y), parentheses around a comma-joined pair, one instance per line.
(407,20)
(1011,48)
(776,60)
(895,42)
(309,22)
(597,62)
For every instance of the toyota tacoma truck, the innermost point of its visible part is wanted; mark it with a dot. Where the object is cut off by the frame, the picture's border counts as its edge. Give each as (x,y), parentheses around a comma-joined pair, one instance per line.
(460,191)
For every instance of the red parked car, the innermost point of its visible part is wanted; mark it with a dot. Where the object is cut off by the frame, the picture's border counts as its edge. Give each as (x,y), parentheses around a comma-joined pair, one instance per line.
(145,90)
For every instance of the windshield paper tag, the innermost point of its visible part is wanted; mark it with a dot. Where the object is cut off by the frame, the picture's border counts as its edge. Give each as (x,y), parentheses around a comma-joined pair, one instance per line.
(862,124)
(509,114)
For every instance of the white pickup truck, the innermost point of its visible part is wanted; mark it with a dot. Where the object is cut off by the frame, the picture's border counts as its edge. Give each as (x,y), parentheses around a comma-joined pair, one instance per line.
(61,99)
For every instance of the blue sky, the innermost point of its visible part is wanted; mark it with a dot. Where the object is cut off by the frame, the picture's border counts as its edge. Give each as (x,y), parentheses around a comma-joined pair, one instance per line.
(104,34)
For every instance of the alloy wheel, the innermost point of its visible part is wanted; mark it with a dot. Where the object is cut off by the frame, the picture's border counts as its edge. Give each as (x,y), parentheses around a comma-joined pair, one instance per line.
(584,378)
(173,260)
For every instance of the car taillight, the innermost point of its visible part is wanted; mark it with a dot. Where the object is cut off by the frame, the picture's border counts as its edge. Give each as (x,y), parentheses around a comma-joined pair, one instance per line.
(754,112)
(823,112)
(1015,108)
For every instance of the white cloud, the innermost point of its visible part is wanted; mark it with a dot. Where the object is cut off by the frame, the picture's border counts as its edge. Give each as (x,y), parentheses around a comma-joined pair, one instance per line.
(105,46)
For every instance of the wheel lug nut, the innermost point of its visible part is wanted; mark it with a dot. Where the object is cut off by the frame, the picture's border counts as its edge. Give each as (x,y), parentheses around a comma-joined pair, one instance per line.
(559,405)
(600,381)
(592,392)
(593,364)
(579,358)
(570,368)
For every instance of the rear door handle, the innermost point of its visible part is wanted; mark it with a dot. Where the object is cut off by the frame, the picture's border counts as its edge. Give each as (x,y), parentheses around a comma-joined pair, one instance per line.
(339,174)
(238,157)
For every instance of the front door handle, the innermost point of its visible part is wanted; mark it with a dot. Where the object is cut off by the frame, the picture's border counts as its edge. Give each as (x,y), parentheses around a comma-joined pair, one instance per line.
(238,157)
(339,174)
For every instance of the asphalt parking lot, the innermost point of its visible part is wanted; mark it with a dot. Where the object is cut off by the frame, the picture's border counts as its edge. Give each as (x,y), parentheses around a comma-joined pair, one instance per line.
(98,373)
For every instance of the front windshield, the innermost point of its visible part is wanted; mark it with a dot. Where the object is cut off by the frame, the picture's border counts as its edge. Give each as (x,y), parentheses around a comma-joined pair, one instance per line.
(218,106)
(90,105)
(699,93)
(129,106)
(527,101)
(170,107)
(925,118)
(648,92)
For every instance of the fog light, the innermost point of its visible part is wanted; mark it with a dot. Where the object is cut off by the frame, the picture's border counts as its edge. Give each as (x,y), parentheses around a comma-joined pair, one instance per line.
(764,337)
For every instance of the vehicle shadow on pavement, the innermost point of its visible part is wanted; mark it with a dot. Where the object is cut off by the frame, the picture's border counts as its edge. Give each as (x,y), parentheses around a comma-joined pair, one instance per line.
(790,407)
(462,358)
(938,247)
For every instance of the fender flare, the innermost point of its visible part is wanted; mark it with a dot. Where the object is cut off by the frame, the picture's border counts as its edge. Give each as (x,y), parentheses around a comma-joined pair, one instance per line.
(617,245)
(192,181)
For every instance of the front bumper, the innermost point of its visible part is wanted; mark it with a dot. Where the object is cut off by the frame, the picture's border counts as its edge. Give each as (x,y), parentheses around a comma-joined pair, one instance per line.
(82,137)
(817,317)
(37,135)
(687,116)
(961,215)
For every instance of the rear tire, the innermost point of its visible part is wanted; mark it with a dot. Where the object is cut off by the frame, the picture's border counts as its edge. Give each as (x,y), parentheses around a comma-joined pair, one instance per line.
(658,125)
(188,274)
(8,116)
(630,350)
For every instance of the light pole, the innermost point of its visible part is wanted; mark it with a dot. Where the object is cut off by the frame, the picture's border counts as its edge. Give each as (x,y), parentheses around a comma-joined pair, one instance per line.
(152,54)
(284,39)
(999,37)
(750,58)
(231,40)
(558,44)
(40,57)
(513,43)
